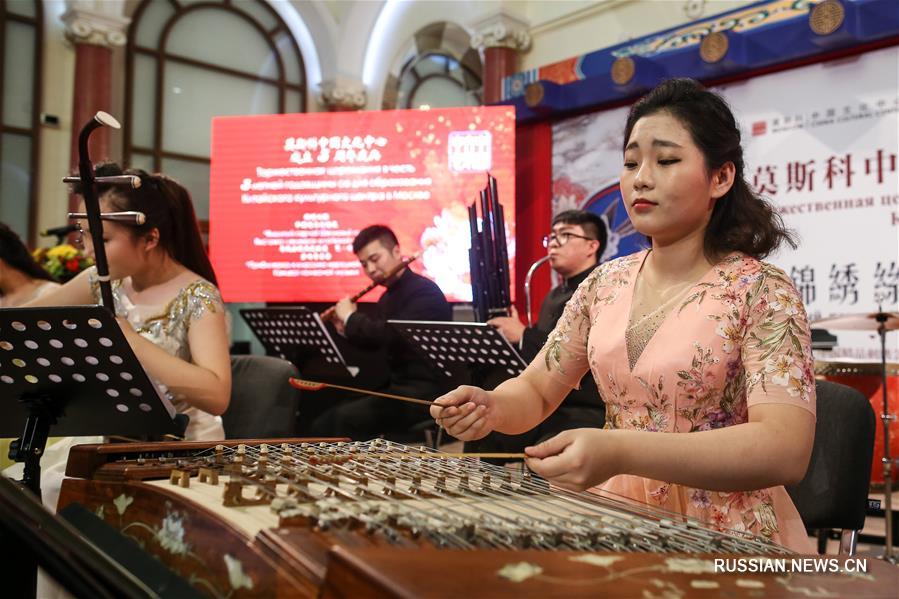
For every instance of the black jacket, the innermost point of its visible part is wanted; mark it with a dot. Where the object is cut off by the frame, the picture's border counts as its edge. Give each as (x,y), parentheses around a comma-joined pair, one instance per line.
(411,297)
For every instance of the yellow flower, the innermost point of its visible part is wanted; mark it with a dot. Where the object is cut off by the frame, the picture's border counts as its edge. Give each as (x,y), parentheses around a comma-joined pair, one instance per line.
(63,252)
(62,262)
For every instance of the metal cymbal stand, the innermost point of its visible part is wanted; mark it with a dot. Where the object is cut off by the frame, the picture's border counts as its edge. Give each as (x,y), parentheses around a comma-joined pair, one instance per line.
(886,419)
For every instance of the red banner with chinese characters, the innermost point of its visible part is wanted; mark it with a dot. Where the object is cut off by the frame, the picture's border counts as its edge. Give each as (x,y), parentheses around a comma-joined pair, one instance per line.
(288,193)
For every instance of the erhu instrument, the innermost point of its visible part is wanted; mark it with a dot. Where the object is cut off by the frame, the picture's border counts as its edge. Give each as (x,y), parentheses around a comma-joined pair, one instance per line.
(87,180)
(129,217)
(329,313)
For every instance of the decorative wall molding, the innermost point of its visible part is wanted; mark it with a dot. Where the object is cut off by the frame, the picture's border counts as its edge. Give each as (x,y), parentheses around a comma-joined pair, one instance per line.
(342,93)
(501,30)
(92,23)
(587,12)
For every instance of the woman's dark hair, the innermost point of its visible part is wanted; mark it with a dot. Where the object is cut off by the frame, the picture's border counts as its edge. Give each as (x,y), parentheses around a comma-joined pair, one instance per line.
(16,255)
(168,207)
(741,219)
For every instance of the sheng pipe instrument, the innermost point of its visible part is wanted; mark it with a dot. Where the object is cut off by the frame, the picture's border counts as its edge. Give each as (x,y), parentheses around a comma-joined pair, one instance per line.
(488,257)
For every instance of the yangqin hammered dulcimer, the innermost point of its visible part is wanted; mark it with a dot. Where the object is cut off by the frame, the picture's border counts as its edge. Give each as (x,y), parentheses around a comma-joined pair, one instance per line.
(313,518)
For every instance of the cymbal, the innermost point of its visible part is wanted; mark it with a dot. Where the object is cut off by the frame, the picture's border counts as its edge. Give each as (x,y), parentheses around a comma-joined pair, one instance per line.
(858,322)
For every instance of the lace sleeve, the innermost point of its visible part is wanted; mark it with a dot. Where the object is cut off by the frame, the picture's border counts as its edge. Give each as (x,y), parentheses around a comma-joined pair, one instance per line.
(564,355)
(776,349)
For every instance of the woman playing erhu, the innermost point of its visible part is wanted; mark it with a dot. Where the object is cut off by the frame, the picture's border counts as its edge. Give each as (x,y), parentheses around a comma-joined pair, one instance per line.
(165,296)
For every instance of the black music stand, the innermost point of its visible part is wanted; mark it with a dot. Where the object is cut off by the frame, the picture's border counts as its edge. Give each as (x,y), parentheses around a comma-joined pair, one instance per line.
(71,369)
(474,345)
(300,336)
(822,340)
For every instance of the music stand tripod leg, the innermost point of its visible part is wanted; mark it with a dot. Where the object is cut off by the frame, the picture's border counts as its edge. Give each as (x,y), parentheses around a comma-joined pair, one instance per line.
(29,449)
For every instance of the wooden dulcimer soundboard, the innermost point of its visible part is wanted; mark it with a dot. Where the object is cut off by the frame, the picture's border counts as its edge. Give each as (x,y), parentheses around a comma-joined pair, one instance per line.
(308,518)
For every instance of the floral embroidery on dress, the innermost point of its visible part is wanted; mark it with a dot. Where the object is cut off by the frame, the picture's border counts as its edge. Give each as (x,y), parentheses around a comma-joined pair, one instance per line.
(613,278)
(702,398)
(553,349)
(731,330)
(740,337)
(782,341)
(576,310)
(756,511)
(603,285)
(696,296)
(657,409)
(616,397)
(700,498)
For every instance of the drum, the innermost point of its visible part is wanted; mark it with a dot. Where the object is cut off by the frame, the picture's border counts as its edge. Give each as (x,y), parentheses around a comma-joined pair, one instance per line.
(867,378)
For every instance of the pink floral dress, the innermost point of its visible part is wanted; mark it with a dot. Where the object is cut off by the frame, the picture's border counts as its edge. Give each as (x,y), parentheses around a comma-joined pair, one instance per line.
(739,337)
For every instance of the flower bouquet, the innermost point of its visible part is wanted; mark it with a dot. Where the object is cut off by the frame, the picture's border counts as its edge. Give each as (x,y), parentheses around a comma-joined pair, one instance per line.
(63,261)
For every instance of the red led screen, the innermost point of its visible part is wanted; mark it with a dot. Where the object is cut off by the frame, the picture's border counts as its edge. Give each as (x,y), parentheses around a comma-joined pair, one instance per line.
(289,192)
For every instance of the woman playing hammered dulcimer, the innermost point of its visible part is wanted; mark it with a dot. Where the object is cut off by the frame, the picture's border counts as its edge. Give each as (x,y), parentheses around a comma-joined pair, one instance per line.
(694,335)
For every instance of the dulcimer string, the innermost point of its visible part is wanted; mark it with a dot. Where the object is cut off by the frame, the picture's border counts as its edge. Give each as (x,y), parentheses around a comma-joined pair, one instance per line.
(384,471)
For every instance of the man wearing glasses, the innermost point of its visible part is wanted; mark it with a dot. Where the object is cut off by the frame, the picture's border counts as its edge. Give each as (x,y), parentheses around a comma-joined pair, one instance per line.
(575,246)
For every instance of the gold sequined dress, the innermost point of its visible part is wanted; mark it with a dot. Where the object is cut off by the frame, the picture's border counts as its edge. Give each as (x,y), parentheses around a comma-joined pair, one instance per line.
(167,326)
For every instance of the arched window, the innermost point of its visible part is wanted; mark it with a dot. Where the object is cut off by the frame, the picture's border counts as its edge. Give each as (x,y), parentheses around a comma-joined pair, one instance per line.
(20,74)
(188,61)
(439,69)
(437,80)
